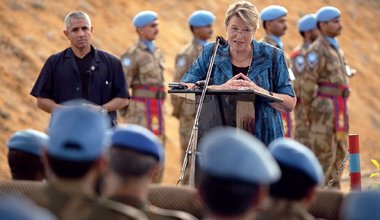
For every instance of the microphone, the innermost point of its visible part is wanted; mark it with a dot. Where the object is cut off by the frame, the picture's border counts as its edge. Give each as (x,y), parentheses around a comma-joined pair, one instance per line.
(92,68)
(192,146)
(221,40)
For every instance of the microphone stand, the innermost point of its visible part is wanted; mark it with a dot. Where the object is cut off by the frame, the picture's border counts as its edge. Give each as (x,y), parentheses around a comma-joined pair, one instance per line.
(191,150)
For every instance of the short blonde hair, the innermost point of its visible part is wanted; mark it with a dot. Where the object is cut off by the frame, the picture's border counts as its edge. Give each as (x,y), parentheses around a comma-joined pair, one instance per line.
(244,10)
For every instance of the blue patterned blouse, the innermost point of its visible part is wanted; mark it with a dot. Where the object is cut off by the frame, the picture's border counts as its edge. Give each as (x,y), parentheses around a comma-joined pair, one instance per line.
(268,70)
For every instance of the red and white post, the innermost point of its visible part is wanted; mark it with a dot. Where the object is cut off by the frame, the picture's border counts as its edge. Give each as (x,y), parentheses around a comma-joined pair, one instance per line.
(355,175)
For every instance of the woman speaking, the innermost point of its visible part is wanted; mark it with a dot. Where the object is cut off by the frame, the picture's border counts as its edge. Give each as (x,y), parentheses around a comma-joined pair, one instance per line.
(244,63)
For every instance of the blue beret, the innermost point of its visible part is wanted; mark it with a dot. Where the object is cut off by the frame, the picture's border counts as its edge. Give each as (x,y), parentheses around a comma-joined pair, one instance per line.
(137,138)
(13,208)
(272,12)
(144,18)
(327,13)
(77,133)
(201,18)
(235,154)
(307,22)
(362,205)
(29,141)
(297,156)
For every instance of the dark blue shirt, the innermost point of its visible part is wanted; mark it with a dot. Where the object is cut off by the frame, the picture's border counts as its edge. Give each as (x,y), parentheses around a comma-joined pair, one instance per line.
(60,79)
(84,67)
(268,70)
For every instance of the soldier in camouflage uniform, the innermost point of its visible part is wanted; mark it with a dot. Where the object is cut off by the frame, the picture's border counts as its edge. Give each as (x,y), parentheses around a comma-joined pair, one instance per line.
(294,192)
(201,26)
(307,27)
(74,162)
(275,25)
(324,94)
(144,68)
(135,154)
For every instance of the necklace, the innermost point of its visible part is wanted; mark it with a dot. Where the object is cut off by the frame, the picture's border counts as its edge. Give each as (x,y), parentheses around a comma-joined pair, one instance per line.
(243,70)
(250,62)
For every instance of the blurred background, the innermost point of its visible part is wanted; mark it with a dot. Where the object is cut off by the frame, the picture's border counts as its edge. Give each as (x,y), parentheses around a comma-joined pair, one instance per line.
(31,30)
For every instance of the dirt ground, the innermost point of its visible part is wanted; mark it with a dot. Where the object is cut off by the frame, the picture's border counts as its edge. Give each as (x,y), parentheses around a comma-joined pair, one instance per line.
(31,30)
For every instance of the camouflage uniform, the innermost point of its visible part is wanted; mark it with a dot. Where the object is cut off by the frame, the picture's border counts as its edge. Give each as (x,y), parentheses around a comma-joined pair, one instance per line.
(183,109)
(71,203)
(145,76)
(324,94)
(298,61)
(287,117)
(151,211)
(279,209)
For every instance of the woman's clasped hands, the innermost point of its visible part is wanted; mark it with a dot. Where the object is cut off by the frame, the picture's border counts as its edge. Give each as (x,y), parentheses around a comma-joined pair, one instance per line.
(240,82)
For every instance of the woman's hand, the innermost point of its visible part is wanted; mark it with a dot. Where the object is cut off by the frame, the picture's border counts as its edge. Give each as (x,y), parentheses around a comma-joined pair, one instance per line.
(247,83)
(286,106)
(239,81)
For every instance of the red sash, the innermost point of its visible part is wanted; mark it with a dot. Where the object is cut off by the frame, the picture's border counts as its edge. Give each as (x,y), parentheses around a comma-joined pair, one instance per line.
(287,123)
(153,106)
(341,124)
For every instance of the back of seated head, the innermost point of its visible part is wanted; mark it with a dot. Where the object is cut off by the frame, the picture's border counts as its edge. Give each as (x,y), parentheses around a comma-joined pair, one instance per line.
(293,185)
(227,197)
(69,169)
(134,151)
(25,166)
(301,171)
(130,164)
(25,148)
(234,165)
(77,140)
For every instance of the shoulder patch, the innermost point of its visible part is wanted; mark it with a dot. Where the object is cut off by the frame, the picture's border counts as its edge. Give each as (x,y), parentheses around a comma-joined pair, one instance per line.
(126,61)
(181,61)
(299,63)
(312,59)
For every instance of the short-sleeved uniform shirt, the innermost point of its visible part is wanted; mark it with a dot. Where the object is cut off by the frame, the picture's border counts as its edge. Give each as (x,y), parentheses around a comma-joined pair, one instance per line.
(60,79)
(268,70)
